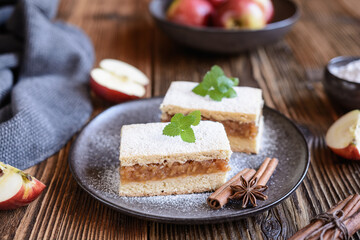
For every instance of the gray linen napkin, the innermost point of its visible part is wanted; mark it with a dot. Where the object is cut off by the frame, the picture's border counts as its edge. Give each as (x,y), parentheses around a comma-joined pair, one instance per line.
(44,69)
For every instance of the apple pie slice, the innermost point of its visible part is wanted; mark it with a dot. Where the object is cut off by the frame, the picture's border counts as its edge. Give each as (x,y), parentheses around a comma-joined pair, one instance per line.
(154,164)
(241,116)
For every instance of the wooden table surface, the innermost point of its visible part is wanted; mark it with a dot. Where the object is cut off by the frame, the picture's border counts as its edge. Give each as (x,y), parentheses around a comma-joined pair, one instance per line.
(289,73)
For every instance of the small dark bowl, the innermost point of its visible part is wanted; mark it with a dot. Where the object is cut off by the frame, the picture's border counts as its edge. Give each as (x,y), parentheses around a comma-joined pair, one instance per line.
(219,40)
(341,91)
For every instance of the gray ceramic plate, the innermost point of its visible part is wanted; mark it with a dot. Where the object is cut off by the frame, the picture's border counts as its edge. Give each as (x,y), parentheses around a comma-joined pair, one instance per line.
(94,163)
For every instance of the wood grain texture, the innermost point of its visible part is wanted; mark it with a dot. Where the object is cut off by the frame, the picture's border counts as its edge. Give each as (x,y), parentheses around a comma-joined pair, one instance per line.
(289,72)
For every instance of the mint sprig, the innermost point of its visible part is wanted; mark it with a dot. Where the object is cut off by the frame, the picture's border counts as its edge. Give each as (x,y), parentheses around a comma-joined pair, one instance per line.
(217,85)
(181,125)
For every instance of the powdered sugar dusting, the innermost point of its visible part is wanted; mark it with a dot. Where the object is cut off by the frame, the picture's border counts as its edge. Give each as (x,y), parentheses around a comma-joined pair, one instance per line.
(94,160)
(248,100)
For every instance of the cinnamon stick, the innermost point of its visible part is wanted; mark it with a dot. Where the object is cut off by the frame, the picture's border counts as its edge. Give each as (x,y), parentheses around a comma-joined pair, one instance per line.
(352,224)
(307,230)
(221,196)
(349,206)
(268,172)
(350,209)
(262,168)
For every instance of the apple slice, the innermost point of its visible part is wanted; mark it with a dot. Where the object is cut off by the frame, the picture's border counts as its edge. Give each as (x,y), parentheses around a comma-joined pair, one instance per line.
(124,71)
(17,188)
(343,137)
(113,88)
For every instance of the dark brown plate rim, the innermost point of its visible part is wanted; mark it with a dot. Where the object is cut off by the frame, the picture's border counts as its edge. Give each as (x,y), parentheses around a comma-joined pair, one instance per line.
(188,221)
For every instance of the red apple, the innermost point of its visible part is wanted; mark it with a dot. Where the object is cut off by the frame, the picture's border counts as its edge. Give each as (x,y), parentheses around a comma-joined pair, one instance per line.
(217,3)
(190,12)
(343,137)
(268,9)
(235,14)
(113,88)
(17,188)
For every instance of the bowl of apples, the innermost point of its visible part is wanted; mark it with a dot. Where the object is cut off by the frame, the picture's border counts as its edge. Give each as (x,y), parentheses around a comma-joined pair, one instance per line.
(224,26)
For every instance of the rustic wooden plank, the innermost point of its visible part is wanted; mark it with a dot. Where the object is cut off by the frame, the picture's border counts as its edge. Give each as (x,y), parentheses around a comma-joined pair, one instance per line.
(326,30)
(285,71)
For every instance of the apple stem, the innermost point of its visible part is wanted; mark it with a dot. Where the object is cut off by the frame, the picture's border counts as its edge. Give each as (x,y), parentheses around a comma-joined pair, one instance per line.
(238,23)
(1,172)
(28,177)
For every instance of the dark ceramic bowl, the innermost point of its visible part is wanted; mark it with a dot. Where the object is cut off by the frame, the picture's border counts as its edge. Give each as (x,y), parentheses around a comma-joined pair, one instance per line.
(341,91)
(219,40)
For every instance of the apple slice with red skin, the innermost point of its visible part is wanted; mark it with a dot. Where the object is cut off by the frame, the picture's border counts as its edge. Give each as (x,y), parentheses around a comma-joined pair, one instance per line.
(17,188)
(343,137)
(113,88)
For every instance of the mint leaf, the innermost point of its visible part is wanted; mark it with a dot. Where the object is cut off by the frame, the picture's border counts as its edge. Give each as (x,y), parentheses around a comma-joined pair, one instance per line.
(235,81)
(177,117)
(181,125)
(231,93)
(217,71)
(197,115)
(171,130)
(216,85)
(200,90)
(215,95)
(208,81)
(224,84)
(222,88)
(186,122)
(211,77)
(188,135)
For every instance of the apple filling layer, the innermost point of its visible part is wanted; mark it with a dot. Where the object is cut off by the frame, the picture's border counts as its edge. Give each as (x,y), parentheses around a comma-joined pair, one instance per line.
(245,130)
(153,172)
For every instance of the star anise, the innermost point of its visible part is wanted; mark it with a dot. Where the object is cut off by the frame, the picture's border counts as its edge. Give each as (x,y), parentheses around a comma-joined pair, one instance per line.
(248,191)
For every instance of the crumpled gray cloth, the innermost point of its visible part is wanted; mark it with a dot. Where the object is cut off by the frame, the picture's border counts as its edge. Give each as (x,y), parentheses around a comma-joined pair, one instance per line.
(44,70)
